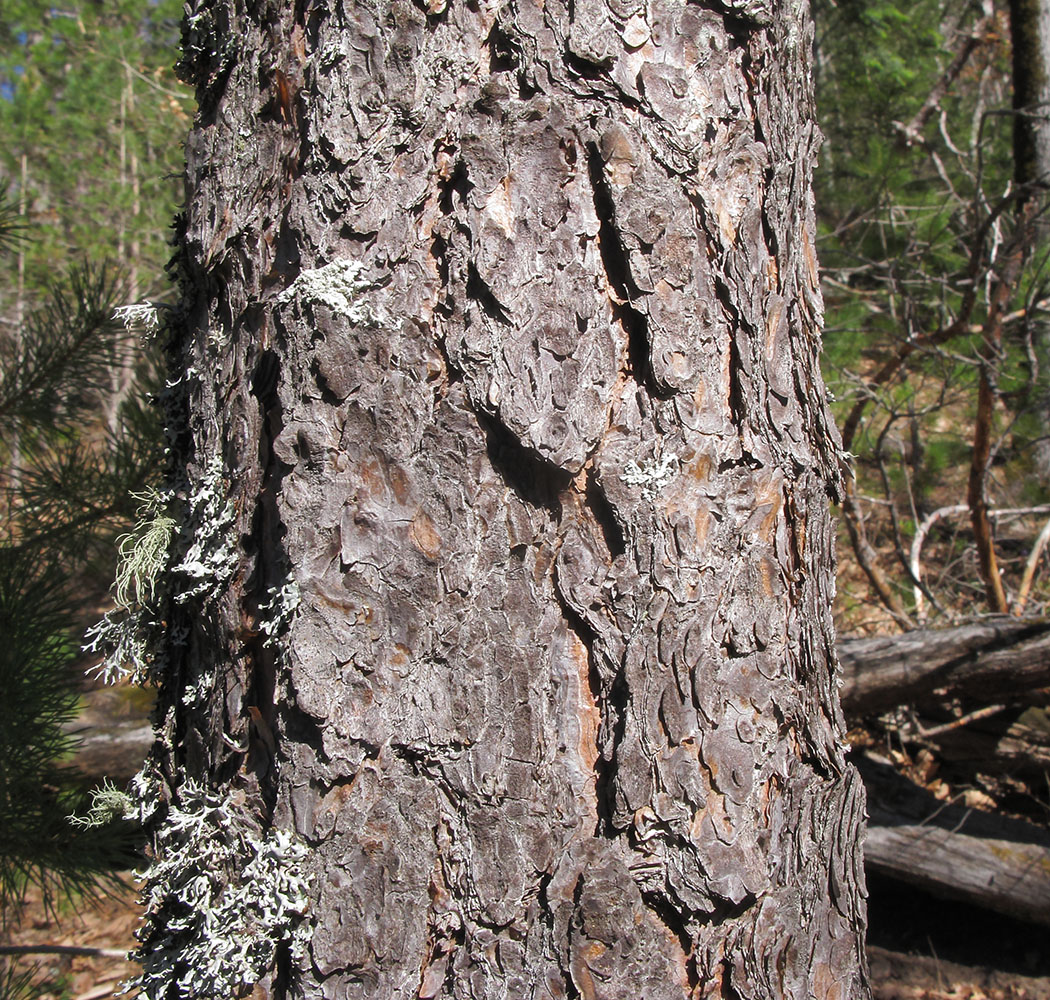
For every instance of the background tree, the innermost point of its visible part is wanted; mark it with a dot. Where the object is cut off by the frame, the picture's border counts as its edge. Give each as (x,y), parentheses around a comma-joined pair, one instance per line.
(934,282)
(934,248)
(93,120)
(81,179)
(500,603)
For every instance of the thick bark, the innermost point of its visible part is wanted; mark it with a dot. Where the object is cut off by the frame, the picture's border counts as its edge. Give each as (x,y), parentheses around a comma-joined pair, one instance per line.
(502,321)
(996,660)
(1030,42)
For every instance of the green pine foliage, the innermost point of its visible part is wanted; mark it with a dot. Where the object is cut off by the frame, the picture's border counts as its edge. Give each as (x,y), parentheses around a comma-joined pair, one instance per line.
(917,213)
(93,122)
(58,508)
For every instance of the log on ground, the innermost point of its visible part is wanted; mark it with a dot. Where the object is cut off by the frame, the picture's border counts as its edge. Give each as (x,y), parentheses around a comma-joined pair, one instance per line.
(955,852)
(995,659)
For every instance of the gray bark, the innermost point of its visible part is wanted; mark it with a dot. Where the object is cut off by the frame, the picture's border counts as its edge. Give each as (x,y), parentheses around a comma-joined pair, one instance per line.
(951,851)
(997,659)
(502,320)
(1030,42)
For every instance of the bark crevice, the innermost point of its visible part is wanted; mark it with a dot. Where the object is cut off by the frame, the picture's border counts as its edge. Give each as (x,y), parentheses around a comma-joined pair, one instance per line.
(533,479)
(617,266)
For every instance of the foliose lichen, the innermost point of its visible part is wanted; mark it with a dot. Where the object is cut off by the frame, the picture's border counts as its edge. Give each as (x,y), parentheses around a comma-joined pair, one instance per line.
(652,476)
(277,613)
(211,559)
(338,286)
(221,897)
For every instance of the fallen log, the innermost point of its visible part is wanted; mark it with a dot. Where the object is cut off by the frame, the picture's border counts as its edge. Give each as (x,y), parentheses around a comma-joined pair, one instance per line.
(953,852)
(1002,746)
(994,660)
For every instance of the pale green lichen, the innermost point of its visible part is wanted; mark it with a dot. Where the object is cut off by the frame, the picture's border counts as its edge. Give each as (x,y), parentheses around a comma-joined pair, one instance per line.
(143,551)
(132,638)
(652,476)
(337,285)
(108,804)
(125,635)
(221,898)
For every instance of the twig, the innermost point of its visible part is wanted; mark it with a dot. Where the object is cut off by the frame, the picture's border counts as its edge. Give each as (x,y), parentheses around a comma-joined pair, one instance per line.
(1029,570)
(965,720)
(915,560)
(62,949)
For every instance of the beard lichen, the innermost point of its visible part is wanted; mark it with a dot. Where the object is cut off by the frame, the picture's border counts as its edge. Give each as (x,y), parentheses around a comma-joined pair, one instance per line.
(132,638)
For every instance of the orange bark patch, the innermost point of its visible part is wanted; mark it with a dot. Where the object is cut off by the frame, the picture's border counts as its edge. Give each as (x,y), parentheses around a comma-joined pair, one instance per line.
(701,468)
(773,325)
(399,484)
(425,537)
(701,522)
(825,985)
(589,716)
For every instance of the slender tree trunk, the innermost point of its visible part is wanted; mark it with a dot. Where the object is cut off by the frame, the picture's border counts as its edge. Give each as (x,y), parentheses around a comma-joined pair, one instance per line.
(1030,41)
(18,332)
(509,462)
(128,249)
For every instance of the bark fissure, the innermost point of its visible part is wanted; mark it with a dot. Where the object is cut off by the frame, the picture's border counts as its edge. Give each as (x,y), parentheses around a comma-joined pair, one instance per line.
(617,267)
(531,476)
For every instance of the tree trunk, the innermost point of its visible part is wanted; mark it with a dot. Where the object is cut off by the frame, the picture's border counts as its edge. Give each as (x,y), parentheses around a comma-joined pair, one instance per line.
(506,576)
(1030,42)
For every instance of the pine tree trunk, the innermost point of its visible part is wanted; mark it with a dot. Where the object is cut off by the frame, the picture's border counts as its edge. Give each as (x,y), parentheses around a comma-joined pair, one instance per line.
(1030,41)
(501,333)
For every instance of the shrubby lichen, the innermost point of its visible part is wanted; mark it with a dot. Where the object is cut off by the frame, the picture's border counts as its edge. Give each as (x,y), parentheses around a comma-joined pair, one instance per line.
(143,551)
(108,804)
(131,638)
(221,898)
(123,638)
(142,315)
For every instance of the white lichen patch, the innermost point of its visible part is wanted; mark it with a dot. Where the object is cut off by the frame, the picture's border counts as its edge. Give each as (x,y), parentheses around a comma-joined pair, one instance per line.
(142,316)
(651,477)
(338,286)
(221,898)
(275,617)
(211,558)
(124,639)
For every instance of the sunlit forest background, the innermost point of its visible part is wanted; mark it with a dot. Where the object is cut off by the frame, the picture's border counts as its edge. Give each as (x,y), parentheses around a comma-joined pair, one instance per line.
(933,246)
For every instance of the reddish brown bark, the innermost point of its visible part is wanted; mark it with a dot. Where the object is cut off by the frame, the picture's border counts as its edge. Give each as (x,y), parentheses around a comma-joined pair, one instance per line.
(503,321)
